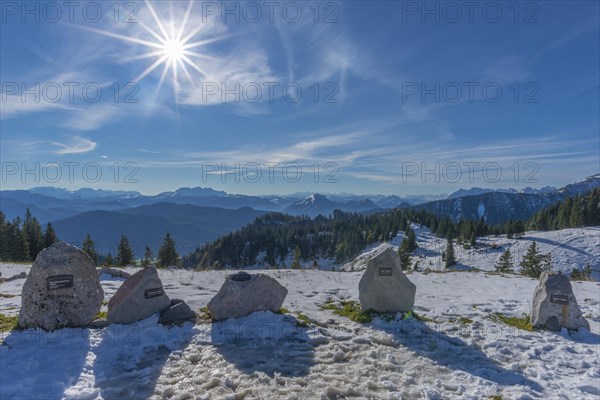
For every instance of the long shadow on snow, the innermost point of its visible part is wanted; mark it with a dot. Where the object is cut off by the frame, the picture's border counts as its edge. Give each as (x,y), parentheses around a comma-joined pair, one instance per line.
(130,358)
(453,353)
(267,345)
(36,364)
(557,245)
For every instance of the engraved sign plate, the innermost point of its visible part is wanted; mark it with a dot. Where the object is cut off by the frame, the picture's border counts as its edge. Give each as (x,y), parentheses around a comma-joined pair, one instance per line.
(241,277)
(559,298)
(59,282)
(385,271)
(154,292)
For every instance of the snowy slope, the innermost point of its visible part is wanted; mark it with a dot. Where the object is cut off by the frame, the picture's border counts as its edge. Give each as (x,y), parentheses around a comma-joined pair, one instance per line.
(267,356)
(569,248)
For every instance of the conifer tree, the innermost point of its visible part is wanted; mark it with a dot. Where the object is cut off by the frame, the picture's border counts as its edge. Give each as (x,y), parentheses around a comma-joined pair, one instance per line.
(404,253)
(167,254)
(472,239)
(33,231)
(124,252)
(505,263)
(109,260)
(412,240)
(534,263)
(5,252)
(448,255)
(147,260)
(49,236)
(89,247)
(297,255)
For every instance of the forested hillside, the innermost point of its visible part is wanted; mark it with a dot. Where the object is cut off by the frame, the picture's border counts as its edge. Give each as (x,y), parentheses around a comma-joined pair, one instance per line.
(276,236)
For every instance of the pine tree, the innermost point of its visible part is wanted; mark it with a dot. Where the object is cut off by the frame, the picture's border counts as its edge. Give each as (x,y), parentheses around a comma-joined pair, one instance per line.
(534,263)
(89,247)
(5,239)
(472,239)
(124,252)
(147,260)
(505,263)
(297,255)
(404,253)
(412,240)
(448,255)
(167,254)
(109,260)
(19,246)
(49,236)
(33,231)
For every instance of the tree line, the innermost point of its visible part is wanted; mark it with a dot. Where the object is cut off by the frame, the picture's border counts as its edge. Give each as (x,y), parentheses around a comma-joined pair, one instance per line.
(274,238)
(167,254)
(23,238)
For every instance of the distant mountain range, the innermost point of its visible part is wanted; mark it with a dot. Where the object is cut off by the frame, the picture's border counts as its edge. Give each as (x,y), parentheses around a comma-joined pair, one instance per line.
(502,205)
(197,215)
(189,225)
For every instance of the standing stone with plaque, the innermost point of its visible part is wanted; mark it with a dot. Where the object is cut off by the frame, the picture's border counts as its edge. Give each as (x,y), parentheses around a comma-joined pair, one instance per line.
(554,304)
(384,287)
(244,293)
(61,290)
(139,297)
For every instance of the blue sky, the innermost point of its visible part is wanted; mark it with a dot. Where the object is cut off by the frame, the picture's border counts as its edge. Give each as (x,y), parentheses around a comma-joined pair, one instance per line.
(372,61)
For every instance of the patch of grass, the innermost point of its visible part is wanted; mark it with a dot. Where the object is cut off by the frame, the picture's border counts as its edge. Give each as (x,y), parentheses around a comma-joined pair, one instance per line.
(204,314)
(104,302)
(496,397)
(101,315)
(465,320)
(7,296)
(423,318)
(518,322)
(474,306)
(283,310)
(350,309)
(302,320)
(8,323)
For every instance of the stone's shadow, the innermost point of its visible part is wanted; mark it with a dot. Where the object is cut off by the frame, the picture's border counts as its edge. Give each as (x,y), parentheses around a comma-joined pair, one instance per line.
(38,364)
(453,353)
(582,336)
(264,345)
(130,358)
(557,245)
(427,252)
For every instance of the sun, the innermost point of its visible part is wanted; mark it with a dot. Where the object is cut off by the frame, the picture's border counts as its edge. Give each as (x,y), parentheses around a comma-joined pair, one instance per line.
(172,50)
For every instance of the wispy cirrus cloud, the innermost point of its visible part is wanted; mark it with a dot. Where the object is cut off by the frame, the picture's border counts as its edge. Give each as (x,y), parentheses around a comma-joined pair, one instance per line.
(76,145)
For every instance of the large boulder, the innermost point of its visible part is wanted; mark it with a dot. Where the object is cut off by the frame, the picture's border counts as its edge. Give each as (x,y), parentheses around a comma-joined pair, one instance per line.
(384,287)
(61,290)
(138,298)
(178,312)
(244,293)
(554,304)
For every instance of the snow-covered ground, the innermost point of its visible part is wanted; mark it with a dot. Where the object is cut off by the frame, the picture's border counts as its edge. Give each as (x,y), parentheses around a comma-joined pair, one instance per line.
(266,355)
(568,248)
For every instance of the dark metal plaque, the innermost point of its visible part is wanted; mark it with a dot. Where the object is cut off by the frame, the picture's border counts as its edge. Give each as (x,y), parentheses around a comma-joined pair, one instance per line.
(59,282)
(241,277)
(559,298)
(385,271)
(154,292)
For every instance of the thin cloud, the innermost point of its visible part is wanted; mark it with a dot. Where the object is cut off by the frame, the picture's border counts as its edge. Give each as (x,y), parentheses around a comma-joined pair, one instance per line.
(77,145)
